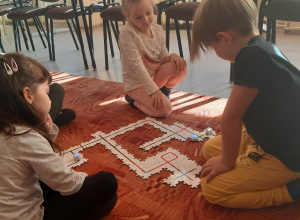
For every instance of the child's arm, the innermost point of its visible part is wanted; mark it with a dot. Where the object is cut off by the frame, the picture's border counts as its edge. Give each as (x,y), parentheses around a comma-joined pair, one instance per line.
(48,124)
(176,60)
(37,155)
(231,124)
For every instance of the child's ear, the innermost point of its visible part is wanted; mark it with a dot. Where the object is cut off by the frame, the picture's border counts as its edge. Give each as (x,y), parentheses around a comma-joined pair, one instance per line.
(225,36)
(126,16)
(28,95)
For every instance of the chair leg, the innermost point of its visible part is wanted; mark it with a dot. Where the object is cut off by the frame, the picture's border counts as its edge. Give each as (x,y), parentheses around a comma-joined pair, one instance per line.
(273,35)
(261,16)
(40,25)
(269,27)
(48,37)
(39,32)
(110,40)
(52,40)
(178,37)
(168,32)
(79,32)
(91,31)
(158,21)
(15,34)
(71,31)
(1,44)
(117,27)
(118,32)
(105,43)
(188,31)
(115,32)
(24,35)
(29,35)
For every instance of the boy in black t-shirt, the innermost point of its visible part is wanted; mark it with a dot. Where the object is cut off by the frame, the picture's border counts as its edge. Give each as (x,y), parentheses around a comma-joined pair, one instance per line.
(261,167)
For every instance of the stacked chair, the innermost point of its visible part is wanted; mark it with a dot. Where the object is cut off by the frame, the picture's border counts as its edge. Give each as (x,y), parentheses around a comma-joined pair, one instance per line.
(183,11)
(7,7)
(67,13)
(64,12)
(24,12)
(285,10)
(111,16)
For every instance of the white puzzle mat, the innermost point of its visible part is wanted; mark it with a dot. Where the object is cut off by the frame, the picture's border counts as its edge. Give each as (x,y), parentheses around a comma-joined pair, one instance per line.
(183,169)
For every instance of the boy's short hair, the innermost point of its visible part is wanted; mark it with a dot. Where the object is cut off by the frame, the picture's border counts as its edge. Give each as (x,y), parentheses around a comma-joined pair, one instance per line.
(213,16)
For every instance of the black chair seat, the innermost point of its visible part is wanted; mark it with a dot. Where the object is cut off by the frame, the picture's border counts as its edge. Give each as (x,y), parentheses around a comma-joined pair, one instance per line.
(62,13)
(288,10)
(95,8)
(113,14)
(184,11)
(162,6)
(4,9)
(25,13)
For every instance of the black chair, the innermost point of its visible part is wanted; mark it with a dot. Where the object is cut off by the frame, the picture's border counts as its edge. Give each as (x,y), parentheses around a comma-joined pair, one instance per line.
(23,12)
(1,44)
(95,7)
(111,16)
(66,13)
(161,7)
(184,11)
(9,6)
(285,10)
(4,9)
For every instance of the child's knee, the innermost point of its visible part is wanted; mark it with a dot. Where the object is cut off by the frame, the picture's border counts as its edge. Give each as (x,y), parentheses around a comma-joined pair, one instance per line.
(57,89)
(212,147)
(183,72)
(164,112)
(209,191)
(205,150)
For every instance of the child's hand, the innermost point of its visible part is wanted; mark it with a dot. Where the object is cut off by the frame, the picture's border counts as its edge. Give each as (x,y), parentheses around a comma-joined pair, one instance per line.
(48,124)
(218,129)
(213,167)
(158,100)
(178,61)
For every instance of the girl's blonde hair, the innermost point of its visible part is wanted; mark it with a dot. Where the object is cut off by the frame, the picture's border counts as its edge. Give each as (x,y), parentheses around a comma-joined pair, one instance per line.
(213,16)
(127,5)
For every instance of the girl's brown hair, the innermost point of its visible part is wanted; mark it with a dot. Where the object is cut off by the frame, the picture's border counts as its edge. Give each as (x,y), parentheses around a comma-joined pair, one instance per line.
(213,16)
(14,109)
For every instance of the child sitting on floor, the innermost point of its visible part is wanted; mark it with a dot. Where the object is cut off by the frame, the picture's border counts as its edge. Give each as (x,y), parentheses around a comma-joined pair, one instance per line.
(149,73)
(242,172)
(34,182)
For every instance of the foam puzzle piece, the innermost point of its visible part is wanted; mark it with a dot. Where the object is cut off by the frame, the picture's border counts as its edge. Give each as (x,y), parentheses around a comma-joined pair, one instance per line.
(183,169)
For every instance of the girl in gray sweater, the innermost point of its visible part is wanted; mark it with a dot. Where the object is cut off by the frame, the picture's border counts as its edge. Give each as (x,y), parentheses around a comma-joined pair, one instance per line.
(34,182)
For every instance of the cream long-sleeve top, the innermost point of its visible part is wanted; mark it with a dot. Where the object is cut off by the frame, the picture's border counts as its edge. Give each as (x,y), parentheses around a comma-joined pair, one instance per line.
(141,56)
(24,160)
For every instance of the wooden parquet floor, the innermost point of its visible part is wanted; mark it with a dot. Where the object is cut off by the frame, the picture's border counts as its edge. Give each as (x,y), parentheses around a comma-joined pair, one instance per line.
(100,105)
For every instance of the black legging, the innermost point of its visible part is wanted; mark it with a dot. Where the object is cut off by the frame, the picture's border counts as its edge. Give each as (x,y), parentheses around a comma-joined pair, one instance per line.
(56,95)
(96,198)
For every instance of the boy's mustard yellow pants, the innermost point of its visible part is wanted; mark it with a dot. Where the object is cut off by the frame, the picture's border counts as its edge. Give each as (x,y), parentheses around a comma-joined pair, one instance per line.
(251,184)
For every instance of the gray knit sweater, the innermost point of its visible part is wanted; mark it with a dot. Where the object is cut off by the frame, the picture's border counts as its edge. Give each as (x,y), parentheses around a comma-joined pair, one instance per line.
(24,160)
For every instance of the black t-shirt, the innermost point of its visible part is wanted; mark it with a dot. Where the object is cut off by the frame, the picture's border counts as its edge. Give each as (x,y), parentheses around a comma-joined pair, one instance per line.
(273,118)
